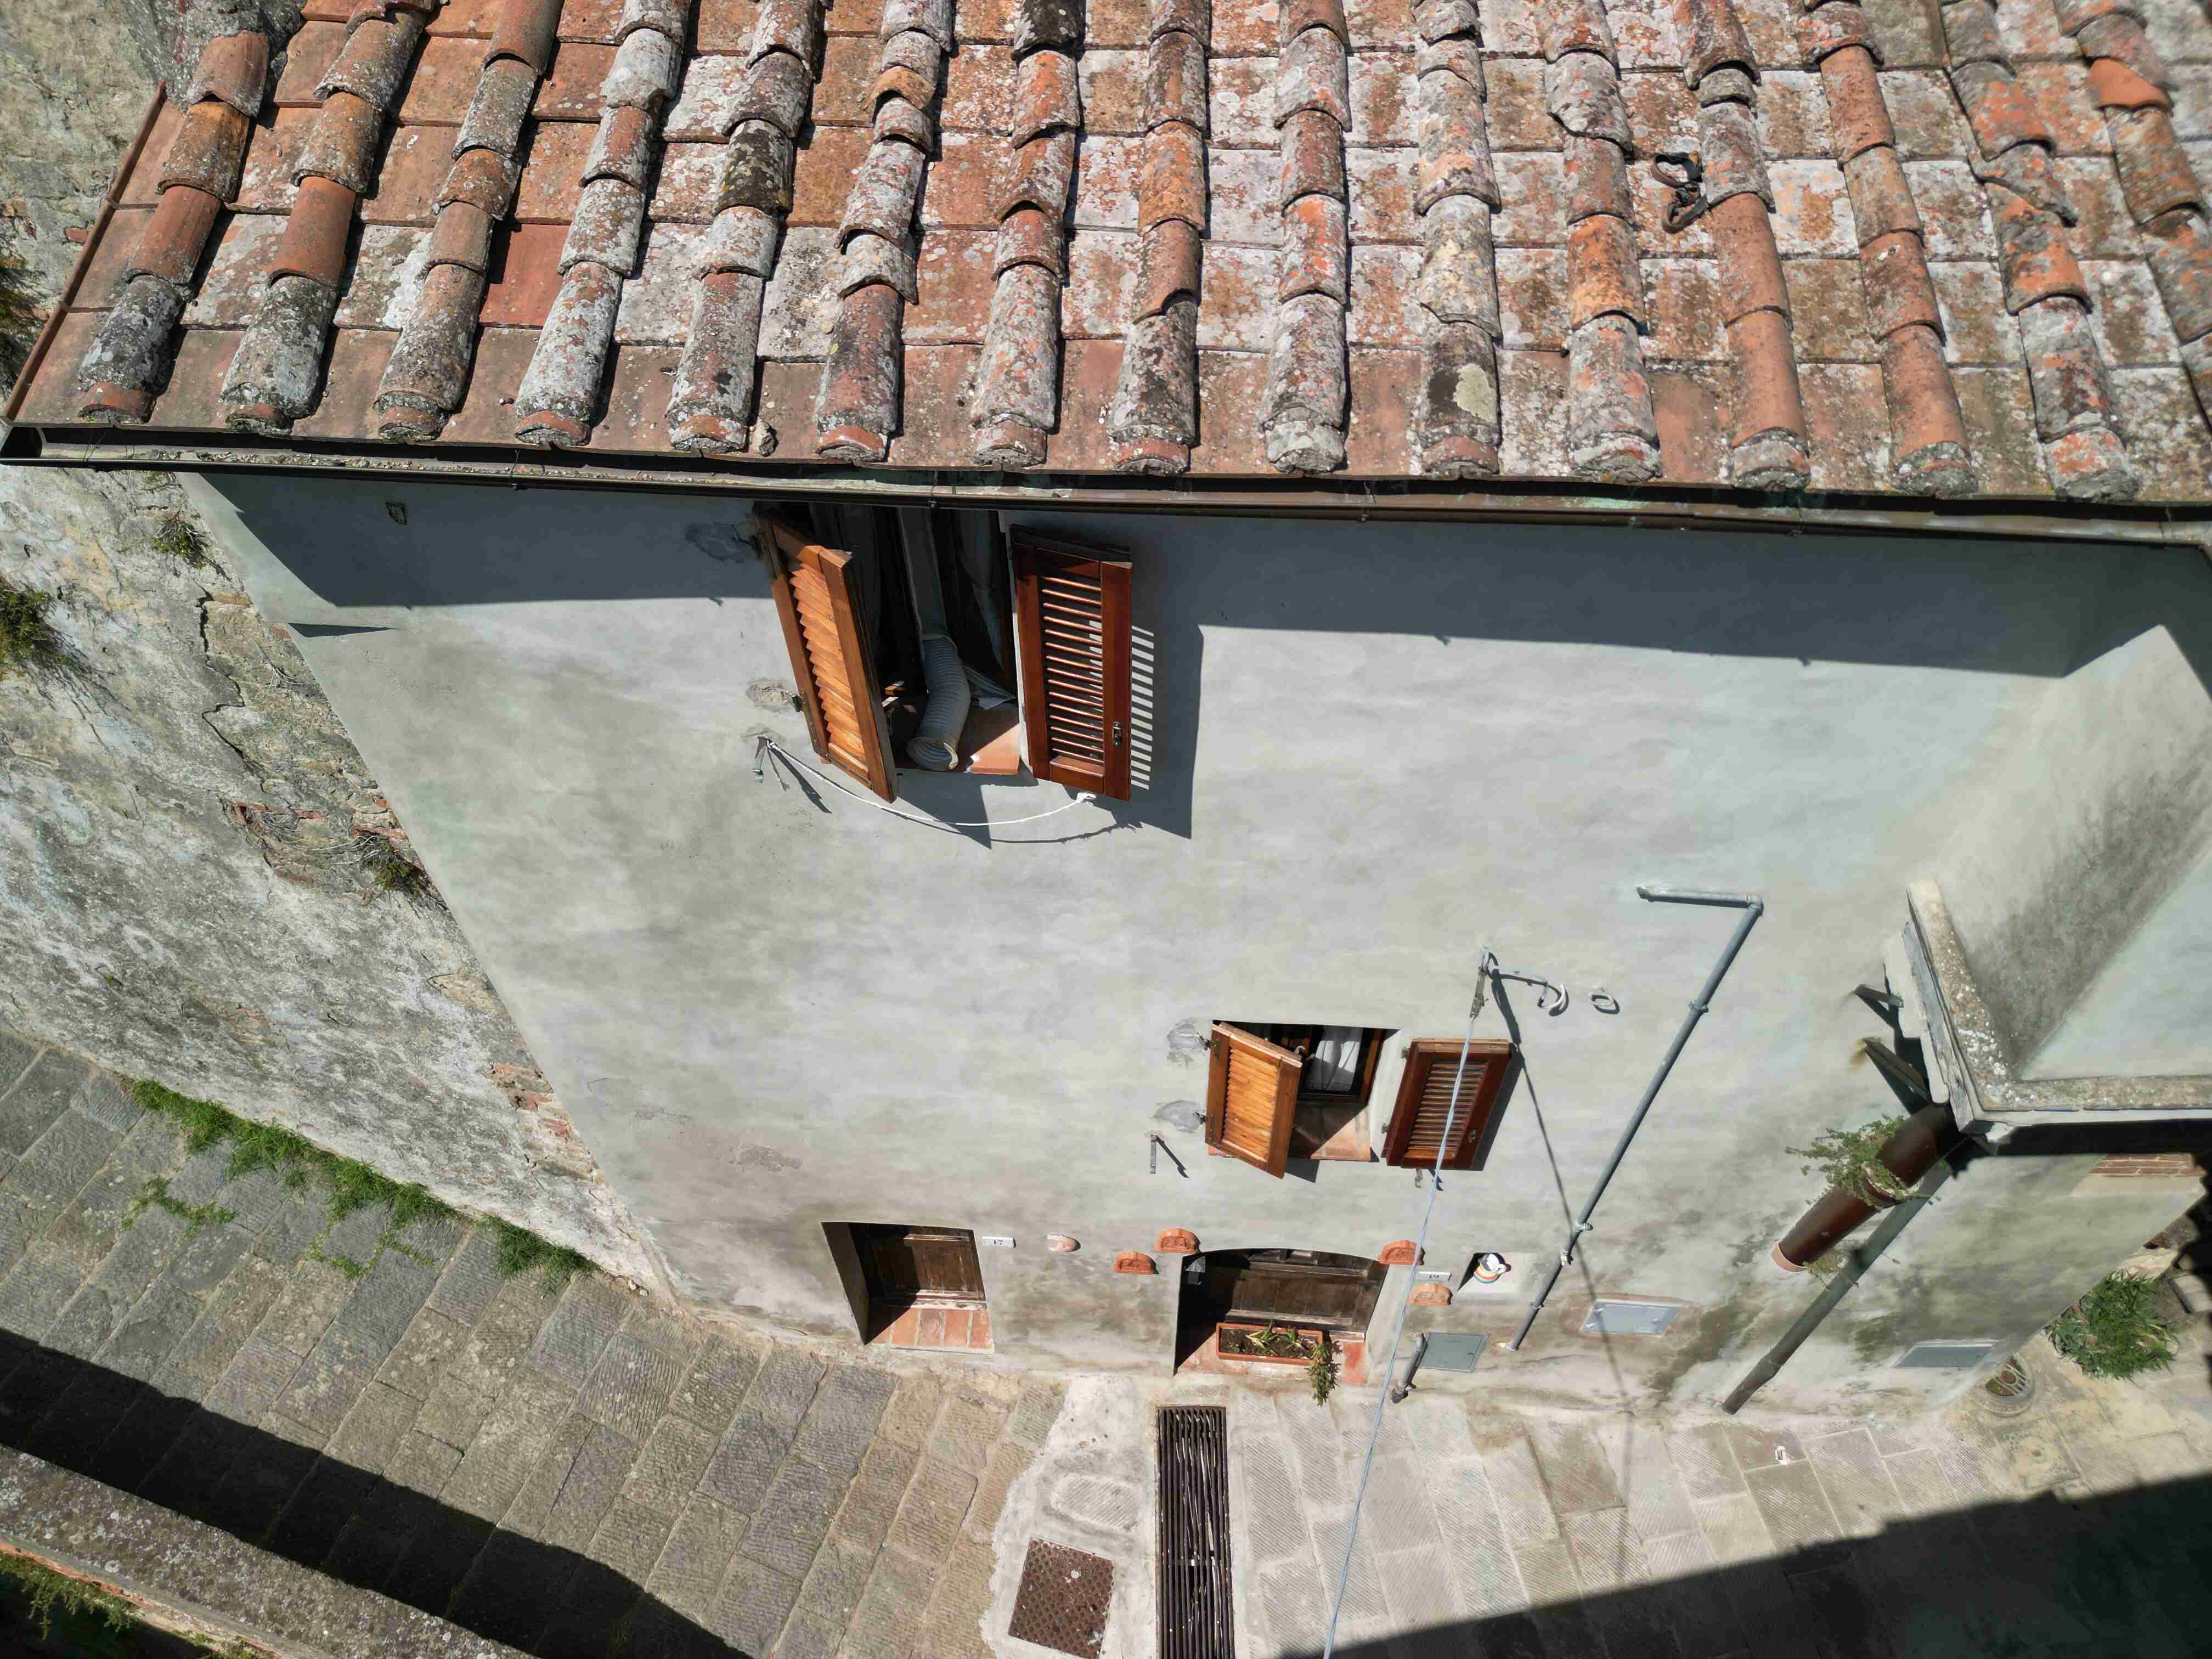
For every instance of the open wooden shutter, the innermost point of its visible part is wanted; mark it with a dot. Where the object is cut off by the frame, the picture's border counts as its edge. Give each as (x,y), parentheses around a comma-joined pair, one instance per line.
(1425,1101)
(1071,612)
(1250,1099)
(829,653)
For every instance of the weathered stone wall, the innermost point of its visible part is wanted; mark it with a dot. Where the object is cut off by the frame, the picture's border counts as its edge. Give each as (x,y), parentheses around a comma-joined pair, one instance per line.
(188,841)
(80,73)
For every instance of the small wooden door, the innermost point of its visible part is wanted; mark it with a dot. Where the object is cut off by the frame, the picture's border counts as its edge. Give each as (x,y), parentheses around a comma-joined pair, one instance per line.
(908,1265)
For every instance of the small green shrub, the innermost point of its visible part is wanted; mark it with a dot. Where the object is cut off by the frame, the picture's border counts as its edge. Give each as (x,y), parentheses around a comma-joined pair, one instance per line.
(28,641)
(1850,1160)
(2117,1329)
(1320,1370)
(48,1591)
(522,1251)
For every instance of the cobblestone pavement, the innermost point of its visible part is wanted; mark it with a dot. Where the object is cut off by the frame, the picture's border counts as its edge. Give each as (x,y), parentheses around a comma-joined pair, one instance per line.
(570,1471)
(574,1472)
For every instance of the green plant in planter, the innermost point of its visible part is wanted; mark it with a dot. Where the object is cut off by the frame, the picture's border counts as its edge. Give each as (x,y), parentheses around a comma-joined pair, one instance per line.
(2116,1330)
(1321,1369)
(1850,1160)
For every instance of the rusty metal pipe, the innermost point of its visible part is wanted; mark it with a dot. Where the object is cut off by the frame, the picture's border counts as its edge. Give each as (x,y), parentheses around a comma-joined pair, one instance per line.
(1838,1212)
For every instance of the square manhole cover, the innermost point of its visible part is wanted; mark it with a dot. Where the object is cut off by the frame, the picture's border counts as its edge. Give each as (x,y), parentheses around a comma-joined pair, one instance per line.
(1063,1600)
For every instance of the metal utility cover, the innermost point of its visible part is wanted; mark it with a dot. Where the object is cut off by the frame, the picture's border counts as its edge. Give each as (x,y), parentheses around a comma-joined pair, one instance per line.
(1946,1356)
(1063,1600)
(1453,1351)
(1630,1318)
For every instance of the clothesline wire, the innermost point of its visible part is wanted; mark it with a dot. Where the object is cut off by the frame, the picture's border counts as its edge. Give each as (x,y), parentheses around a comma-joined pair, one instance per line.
(778,749)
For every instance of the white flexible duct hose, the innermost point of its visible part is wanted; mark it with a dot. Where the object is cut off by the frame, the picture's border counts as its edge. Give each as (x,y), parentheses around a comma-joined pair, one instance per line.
(936,742)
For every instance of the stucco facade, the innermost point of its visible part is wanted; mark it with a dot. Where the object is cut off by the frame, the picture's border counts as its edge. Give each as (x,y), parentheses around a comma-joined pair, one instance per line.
(1364,754)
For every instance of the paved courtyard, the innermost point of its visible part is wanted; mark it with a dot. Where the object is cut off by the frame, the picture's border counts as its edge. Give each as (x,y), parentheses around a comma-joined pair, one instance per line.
(572,1471)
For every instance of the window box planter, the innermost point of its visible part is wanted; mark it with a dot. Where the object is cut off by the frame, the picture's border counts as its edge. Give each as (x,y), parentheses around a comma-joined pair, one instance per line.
(1238,1340)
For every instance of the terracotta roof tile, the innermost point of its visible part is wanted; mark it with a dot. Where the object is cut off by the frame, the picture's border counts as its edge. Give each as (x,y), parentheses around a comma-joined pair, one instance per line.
(169,246)
(473,18)
(1444,263)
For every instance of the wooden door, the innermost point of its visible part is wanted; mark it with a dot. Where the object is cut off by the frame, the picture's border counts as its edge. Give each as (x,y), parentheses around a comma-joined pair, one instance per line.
(907,1265)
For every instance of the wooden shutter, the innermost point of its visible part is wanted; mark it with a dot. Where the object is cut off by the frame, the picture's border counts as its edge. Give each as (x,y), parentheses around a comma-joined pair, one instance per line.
(1072,612)
(1251,1097)
(1425,1100)
(829,653)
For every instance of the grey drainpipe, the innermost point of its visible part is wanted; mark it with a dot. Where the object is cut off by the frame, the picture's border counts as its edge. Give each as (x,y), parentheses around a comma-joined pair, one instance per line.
(1855,1265)
(1752,907)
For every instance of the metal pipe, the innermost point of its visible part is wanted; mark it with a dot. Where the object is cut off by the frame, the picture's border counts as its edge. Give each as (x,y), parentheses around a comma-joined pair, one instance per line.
(1839,1287)
(1841,1210)
(1752,907)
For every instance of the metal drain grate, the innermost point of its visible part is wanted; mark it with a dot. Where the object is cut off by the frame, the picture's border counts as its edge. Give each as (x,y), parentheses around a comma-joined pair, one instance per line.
(1062,1603)
(1196,1621)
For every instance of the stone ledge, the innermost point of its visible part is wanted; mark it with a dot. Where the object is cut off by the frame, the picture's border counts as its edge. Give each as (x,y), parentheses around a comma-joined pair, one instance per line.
(144,1552)
(1965,1045)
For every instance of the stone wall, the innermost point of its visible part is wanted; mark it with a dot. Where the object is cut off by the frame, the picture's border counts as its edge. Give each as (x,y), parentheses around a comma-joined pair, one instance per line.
(189,843)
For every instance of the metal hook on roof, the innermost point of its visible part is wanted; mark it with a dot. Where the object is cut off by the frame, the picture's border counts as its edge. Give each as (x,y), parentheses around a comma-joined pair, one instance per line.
(1682,173)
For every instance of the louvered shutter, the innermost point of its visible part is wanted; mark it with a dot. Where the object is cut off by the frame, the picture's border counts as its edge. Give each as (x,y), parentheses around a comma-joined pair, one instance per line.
(1072,609)
(1250,1099)
(829,654)
(1424,1101)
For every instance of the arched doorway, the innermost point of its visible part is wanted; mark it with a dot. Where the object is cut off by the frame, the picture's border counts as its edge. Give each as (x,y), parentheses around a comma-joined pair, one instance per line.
(1296,1287)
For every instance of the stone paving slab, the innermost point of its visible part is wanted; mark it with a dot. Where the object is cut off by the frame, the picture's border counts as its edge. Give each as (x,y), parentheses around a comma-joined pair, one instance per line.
(568,1470)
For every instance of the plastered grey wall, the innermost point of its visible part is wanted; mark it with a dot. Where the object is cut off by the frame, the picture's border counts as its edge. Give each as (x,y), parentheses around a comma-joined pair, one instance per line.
(2080,884)
(1368,752)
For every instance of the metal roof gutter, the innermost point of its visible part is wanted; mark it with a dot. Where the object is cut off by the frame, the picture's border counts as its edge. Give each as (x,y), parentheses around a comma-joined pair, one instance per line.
(1361,501)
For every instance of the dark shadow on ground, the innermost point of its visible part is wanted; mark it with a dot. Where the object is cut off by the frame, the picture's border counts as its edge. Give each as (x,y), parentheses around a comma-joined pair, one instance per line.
(2048,1578)
(356,1527)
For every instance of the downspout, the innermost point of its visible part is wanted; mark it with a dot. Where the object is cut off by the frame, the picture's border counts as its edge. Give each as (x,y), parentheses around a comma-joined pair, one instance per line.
(1907,1155)
(1752,907)
(1839,1287)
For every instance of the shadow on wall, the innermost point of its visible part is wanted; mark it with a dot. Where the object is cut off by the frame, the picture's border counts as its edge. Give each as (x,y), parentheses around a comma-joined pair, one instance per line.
(355,1527)
(2042,608)
(366,555)
(2122,1572)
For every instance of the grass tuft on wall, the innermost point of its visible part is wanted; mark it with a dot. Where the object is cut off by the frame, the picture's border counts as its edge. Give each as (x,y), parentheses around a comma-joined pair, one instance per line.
(392,871)
(348,1184)
(180,538)
(28,642)
(522,1251)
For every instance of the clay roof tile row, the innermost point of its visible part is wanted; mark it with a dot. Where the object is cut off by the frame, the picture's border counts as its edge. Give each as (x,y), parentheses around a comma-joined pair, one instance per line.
(1965,253)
